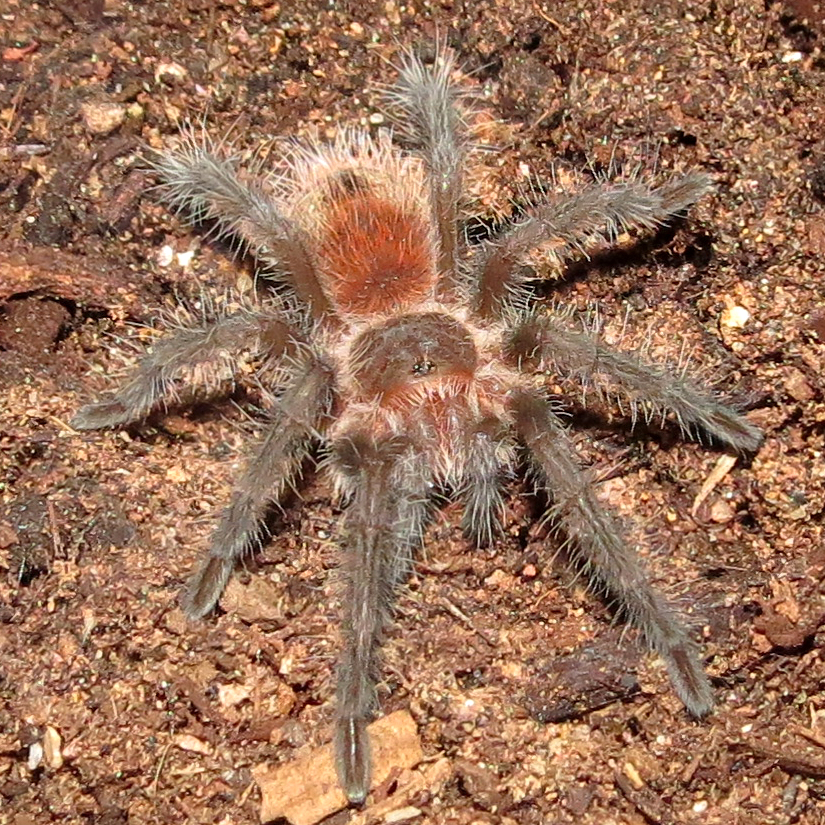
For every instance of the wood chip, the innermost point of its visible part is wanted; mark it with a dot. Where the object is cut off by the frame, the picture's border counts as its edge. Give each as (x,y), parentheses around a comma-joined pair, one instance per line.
(632,774)
(231,695)
(52,744)
(790,760)
(187,742)
(306,790)
(810,735)
(723,466)
(8,536)
(402,814)
(15,53)
(427,779)
(651,806)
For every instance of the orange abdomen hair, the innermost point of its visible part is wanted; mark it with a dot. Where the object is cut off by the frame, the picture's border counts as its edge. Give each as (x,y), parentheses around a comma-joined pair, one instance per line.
(376,255)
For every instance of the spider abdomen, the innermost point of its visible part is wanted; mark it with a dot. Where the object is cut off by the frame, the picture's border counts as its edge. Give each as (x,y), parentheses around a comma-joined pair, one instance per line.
(366,209)
(376,254)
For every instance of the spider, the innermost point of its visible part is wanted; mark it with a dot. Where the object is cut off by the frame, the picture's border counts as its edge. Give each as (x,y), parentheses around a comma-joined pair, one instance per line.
(412,362)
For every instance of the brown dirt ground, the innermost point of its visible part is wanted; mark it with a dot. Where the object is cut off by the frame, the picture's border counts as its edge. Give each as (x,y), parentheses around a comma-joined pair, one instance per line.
(543,716)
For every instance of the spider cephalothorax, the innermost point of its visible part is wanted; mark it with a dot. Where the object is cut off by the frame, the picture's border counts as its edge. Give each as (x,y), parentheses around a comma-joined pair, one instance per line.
(412,362)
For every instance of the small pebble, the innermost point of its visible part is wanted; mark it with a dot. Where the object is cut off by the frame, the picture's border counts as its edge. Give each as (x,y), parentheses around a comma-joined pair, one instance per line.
(187,742)
(35,756)
(721,512)
(177,474)
(170,71)
(165,256)
(735,317)
(231,695)
(185,258)
(797,386)
(102,116)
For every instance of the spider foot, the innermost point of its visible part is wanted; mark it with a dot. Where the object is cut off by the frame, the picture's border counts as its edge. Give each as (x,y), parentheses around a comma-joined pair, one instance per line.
(99,415)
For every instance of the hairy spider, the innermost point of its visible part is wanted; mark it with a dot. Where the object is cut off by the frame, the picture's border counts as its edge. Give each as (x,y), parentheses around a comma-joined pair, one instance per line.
(413,362)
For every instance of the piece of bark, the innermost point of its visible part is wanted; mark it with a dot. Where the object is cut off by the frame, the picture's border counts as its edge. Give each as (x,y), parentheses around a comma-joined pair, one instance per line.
(86,280)
(428,779)
(306,790)
(790,760)
(593,676)
(645,801)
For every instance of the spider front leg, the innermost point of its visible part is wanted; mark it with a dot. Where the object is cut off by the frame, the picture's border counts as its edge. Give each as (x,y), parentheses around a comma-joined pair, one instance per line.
(299,413)
(548,344)
(198,361)
(597,541)
(383,523)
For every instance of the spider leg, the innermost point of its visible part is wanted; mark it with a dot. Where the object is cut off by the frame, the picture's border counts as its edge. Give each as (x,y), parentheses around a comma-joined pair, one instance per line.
(609,562)
(548,344)
(299,412)
(427,104)
(489,456)
(384,522)
(571,225)
(205,184)
(197,361)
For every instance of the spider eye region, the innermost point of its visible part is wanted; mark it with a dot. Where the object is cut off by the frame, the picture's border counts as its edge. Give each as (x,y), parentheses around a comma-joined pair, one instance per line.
(405,352)
(423,367)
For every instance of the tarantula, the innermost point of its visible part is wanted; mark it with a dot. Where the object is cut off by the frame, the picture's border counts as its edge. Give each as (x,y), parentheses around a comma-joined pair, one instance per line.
(413,362)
